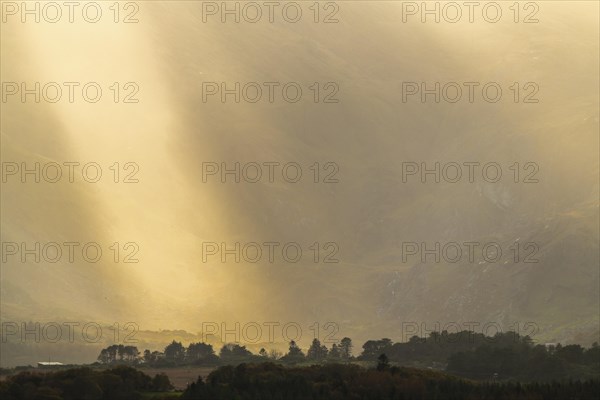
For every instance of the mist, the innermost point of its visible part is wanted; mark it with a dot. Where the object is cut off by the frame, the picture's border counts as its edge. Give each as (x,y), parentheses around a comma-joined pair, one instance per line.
(170,204)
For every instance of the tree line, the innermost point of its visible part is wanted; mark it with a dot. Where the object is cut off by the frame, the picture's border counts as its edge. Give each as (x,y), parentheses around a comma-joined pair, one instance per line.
(176,354)
(503,356)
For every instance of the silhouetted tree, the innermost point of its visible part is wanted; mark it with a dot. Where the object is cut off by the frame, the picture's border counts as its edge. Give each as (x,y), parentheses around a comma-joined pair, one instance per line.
(383,362)
(316,351)
(275,354)
(201,353)
(373,348)
(334,353)
(119,353)
(235,354)
(161,383)
(294,354)
(175,352)
(345,348)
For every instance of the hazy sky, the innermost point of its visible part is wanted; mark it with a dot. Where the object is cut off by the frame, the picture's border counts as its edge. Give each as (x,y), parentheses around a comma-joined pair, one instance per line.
(360,134)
